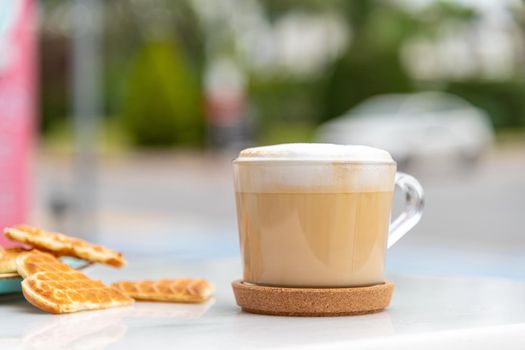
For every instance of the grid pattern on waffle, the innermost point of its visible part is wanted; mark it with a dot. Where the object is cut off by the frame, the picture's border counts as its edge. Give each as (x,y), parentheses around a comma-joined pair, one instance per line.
(60,244)
(55,287)
(185,290)
(8,259)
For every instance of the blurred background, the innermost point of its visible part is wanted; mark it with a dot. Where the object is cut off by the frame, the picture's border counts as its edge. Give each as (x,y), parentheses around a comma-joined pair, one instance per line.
(119,119)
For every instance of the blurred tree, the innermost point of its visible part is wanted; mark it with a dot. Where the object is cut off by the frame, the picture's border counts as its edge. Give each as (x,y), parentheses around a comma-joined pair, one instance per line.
(162,102)
(156,50)
(503,101)
(158,87)
(288,105)
(287,108)
(275,9)
(371,65)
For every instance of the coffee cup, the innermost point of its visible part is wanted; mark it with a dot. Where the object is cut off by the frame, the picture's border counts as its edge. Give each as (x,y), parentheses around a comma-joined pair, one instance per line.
(318,215)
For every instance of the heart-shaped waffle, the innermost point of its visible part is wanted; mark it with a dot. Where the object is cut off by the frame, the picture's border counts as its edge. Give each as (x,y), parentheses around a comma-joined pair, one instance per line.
(8,259)
(54,287)
(62,245)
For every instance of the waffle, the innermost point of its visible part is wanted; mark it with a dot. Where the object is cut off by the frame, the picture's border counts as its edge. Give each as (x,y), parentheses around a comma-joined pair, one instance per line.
(184,290)
(62,245)
(54,287)
(8,259)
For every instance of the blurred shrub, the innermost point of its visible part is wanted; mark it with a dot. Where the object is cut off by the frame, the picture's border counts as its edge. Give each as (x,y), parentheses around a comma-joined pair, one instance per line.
(504,101)
(162,102)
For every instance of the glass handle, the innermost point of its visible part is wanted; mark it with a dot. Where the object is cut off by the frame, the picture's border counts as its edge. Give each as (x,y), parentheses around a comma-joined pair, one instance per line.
(414,203)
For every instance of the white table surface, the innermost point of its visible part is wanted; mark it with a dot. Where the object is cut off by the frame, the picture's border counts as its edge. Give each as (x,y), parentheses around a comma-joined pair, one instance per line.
(426,312)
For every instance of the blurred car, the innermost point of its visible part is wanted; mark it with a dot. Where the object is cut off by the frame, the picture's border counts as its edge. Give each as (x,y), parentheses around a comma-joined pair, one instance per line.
(411,126)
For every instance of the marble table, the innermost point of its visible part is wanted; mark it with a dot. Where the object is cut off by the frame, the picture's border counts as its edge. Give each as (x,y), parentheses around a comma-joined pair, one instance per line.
(427,311)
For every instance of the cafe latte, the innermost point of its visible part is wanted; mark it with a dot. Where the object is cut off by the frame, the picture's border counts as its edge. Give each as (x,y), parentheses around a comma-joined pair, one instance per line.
(314,215)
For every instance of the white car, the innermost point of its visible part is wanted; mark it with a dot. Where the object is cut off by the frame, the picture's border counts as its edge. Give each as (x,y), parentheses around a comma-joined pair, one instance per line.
(410,126)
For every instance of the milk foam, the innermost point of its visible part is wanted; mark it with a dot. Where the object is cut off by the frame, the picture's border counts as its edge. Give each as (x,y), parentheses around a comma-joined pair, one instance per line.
(316,151)
(317,168)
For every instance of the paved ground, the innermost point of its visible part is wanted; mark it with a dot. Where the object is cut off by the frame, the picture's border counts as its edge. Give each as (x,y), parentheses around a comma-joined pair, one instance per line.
(182,204)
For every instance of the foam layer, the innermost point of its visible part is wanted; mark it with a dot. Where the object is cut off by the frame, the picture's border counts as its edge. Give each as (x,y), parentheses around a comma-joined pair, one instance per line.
(316,151)
(314,168)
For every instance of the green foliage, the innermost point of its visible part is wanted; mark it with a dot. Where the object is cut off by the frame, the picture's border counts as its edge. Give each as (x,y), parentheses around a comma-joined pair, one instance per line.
(154,59)
(277,8)
(162,103)
(359,75)
(503,101)
(287,132)
(371,64)
(287,109)
(282,98)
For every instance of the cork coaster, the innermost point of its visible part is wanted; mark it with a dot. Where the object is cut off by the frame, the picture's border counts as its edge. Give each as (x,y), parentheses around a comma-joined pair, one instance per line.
(312,301)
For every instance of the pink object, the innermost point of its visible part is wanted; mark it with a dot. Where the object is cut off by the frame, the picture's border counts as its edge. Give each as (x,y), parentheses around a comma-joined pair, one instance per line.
(17,108)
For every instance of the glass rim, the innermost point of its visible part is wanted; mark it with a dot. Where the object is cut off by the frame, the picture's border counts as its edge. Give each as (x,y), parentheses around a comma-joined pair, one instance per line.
(274,161)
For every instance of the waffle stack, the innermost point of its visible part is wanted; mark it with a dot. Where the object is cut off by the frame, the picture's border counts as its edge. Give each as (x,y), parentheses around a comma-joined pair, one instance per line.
(8,259)
(55,287)
(62,245)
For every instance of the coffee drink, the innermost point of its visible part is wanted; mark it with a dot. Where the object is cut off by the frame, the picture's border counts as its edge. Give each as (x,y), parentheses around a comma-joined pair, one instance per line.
(314,215)
(297,239)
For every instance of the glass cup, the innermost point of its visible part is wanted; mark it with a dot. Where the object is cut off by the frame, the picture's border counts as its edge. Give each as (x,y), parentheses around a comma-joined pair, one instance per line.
(315,222)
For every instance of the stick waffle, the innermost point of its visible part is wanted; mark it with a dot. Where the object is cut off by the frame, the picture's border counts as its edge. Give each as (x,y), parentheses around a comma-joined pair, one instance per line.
(54,287)
(8,259)
(60,244)
(184,290)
